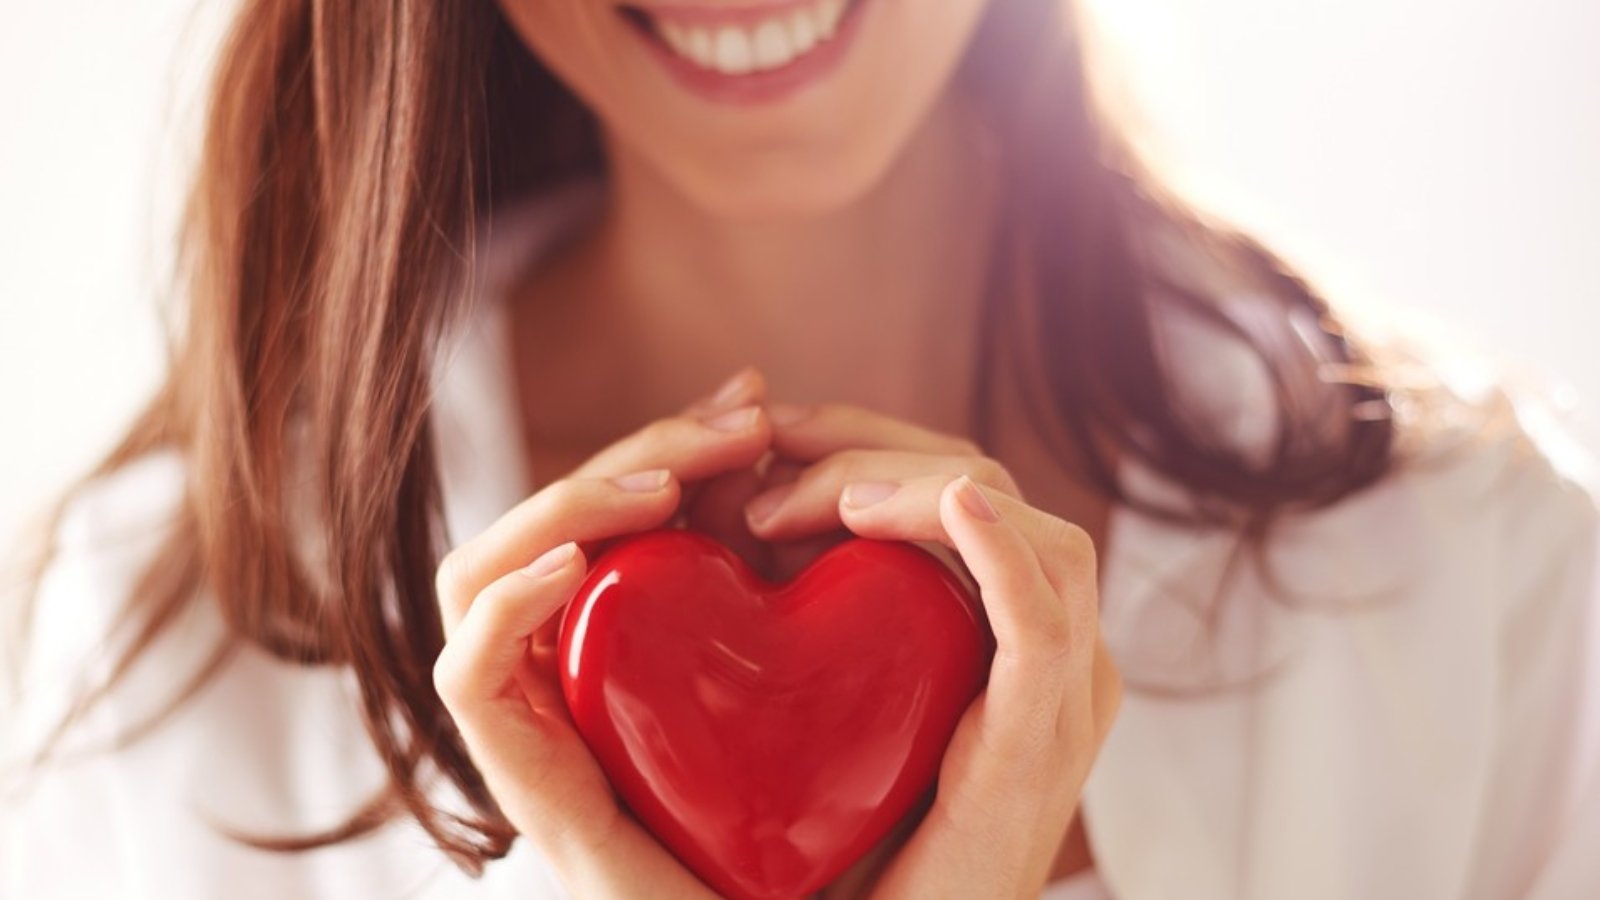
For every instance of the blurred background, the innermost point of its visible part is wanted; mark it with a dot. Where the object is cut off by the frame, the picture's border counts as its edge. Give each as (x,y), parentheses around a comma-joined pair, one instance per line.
(1437,156)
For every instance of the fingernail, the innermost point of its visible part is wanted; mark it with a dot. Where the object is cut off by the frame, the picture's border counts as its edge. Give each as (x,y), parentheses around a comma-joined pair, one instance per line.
(643,482)
(787,414)
(730,391)
(975,502)
(733,420)
(763,506)
(553,560)
(866,493)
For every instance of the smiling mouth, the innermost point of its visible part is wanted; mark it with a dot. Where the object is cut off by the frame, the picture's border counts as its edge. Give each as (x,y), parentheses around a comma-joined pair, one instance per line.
(743,41)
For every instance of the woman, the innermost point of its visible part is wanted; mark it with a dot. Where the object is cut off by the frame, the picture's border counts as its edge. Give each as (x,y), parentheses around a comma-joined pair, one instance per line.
(456,273)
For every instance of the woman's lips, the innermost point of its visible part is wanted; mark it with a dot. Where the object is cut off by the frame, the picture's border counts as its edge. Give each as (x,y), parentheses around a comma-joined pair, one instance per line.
(748,54)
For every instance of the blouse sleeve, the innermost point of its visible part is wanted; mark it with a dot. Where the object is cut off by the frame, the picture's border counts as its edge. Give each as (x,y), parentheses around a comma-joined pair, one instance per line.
(1539,833)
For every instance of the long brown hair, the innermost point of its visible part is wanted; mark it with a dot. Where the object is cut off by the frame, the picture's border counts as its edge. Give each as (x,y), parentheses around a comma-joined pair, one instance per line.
(349,152)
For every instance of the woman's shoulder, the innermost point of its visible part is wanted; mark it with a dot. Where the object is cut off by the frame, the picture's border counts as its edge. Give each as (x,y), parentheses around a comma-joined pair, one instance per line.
(1489,522)
(149,768)
(109,532)
(1485,523)
(1427,644)
(113,523)
(264,746)
(1467,423)
(1488,476)
(1497,445)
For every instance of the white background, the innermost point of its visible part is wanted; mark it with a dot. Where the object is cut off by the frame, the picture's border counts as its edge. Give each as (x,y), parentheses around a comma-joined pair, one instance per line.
(1441,155)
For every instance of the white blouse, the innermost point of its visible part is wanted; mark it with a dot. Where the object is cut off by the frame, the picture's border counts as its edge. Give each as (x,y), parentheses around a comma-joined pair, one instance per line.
(1415,715)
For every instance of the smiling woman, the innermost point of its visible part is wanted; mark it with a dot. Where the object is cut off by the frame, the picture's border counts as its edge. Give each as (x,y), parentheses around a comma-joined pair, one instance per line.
(742,123)
(457,279)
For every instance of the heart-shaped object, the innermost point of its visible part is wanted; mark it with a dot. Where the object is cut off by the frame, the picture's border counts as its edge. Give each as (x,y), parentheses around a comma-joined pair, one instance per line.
(769,735)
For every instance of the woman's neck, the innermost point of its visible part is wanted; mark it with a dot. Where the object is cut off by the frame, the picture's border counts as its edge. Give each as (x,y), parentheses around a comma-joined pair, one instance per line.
(875,303)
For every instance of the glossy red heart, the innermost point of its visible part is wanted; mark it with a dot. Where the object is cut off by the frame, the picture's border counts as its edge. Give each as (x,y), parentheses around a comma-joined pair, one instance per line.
(769,735)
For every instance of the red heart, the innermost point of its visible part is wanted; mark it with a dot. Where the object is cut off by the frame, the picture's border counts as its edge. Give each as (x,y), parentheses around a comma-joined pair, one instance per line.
(769,735)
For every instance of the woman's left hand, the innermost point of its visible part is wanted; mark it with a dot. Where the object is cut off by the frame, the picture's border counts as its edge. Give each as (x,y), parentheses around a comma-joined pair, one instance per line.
(1011,777)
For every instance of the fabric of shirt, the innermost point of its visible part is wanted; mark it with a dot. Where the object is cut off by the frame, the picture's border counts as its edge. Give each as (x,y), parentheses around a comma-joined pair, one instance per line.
(1397,698)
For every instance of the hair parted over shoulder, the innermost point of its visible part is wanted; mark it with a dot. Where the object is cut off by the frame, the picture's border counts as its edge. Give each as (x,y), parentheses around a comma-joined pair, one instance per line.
(349,151)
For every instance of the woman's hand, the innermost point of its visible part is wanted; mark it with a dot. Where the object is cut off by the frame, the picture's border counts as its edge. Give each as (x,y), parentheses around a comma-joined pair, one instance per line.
(500,594)
(1010,781)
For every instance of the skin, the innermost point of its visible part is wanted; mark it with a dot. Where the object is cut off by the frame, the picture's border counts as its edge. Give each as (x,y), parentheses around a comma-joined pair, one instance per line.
(839,239)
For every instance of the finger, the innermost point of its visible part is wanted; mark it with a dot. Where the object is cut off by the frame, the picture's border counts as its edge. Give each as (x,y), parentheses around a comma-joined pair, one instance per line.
(479,662)
(745,387)
(810,504)
(573,509)
(1027,616)
(1107,682)
(1089,705)
(1031,602)
(890,509)
(691,448)
(812,432)
(1043,650)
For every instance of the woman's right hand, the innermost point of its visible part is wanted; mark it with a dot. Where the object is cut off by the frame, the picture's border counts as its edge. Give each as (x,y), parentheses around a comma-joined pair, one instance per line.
(500,595)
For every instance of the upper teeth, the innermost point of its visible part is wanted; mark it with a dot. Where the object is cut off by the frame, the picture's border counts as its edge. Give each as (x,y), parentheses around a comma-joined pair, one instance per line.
(767,44)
